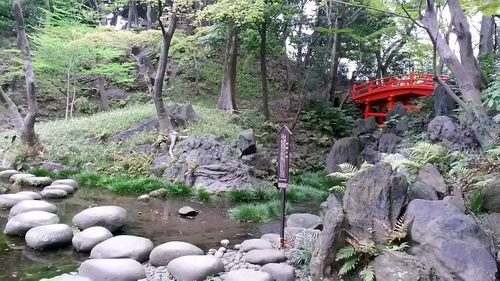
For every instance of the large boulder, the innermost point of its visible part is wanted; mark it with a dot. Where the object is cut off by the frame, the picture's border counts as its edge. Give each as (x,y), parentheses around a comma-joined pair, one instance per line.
(280,271)
(166,252)
(8,201)
(374,200)
(450,240)
(32,205)
(429,184)
(181,114)
(444,104)
(110,217)
(255,244)
(21,223)
(123,246)
(444,129)
(195,268)
(246,142)
(397,120)
(49,236)
(388,143)
(399,266)
(204,160)
(345,150)
(86,240)
(247,274)
(488,185)
(112,270)
(304,220)
(265,256)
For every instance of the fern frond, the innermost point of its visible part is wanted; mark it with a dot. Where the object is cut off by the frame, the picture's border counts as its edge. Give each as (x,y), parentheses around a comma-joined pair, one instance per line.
(348,265)
(365,166)
(400,248)
(367,273)
(345,253)
(399,231)
(363,246)
(338,188)
(348,168)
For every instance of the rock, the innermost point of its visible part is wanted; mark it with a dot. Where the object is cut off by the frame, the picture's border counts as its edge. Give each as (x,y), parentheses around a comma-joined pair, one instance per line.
(271,237)
(32,194)
(194,268)
(399,266)
(19,178)
(246,142)
(166,252)
(420,190)
(86,240)
(68,188)
(159,193)
(237,247)
(373,200)
(66,277)
(71,182)
(8,201)
(6,174)
(430,175)
(345,150)
(364,126)
(292,231)
(52,166)
(143,198)
(370,153)
(37,181)
(456,201)
(326,247)
(488,185)
(443,103)
(32,205)
(493,222)
(450,240)
(280,271)
(255,244)
(247,274)
(110,217)
(21,223)
(181,114)
(112,270)
(306,238)
(187,211)
(204,160)
(388,143)
(304,220)
(442,128)
(265,256)
(123,246)
(397,120)
(224,242)
(53,193)
(49,236)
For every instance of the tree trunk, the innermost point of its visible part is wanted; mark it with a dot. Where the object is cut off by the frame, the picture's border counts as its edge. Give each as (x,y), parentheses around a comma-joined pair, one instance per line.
(146,68)
(227,98)
(334,54)
(12,112)
(165,124)
(148,15)
(263,69)
(103,94)
(486,35)
(28,135)
(132,14)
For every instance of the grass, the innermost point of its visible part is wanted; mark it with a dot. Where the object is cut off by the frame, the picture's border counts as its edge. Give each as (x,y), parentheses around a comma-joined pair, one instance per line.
(294,194)
(476,202)
(203,196)
(259,212)
(318,180)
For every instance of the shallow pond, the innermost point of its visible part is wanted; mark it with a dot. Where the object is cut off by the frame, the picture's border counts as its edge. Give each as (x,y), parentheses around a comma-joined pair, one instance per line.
(156,220)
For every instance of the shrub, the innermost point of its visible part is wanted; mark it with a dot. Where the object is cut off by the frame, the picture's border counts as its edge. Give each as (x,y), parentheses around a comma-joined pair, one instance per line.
(179,190)
(40,172)
(203,196)
(328,119)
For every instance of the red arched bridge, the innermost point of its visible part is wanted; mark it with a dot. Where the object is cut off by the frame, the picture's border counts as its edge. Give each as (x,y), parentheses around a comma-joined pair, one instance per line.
(379,96)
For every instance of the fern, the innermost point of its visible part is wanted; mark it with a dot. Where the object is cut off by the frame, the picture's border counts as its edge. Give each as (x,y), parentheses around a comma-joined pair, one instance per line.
(348,265)
(399,231)
(345,253)
(367,273)
(347,171)
(423,153)
(338,188)
(400,248)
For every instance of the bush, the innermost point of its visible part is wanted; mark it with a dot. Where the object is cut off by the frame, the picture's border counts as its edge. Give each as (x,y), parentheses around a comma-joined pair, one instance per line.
(203,196)
(328,119)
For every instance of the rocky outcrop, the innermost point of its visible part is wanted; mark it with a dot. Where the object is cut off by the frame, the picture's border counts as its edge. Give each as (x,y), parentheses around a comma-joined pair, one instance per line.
(443,103)
(245,141)
(166,252)
(110,217)
(49,236)
(444,129)
(345,150)
(112,270)
(123,246)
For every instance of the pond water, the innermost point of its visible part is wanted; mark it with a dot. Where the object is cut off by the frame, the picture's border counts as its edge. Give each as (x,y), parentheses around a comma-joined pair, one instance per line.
(156,220)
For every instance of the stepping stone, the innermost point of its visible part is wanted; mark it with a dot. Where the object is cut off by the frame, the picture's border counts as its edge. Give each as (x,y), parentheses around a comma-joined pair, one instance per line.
(90,237)
(304,220)
(20,177)
(66,277)
(123,246)
(49,236)
(112,270)
(38,181)
(255,244)
(32,205)
(8,173)
(293,230)
(271,237)
(8,201)
(110,217)
(21,223)
(71,182)
(166,252)
(280,271)
(195,268)
(187,211)
(247,275)
(68,188)
(32,194)
(53,194)
(265,256)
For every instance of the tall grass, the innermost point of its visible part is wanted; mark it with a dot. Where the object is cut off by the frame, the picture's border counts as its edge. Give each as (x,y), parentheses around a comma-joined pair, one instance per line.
(294,194)
(318,180)
(259,212)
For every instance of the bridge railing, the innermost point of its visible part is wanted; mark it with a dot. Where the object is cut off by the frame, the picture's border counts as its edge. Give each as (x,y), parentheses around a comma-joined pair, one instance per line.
(402,80)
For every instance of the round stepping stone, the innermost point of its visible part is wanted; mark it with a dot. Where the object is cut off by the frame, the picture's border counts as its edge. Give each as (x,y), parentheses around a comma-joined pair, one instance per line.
(49,236)
(271,237)
(265,256)
(166,252)
(280,271)
(21,223)
(90,237)
(123,246)
(304,220)
(195,267)
(32,194)
(67,277)
(68,188)
(255,244)
(32,205)
(246,275)
(8,173)
(54,194)
(8,201)
(38,181)
(71,182)
(20,177)
(110,217)
(112,270)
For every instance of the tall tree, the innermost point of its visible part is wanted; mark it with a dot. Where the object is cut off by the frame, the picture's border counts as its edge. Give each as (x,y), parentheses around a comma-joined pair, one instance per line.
(335,51)
(133,16)
(227,97)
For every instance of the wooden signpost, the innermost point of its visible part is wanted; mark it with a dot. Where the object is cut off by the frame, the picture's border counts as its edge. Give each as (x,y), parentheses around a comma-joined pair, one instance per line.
(282,173)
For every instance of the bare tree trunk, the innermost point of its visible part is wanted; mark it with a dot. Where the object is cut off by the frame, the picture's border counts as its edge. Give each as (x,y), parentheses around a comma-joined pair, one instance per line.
(68,83)
(227,98)
(28,136)
(12,112)
(145,68)
(486,35)
(263,69)
(103,94)
(132,14)
(334,54)
(165,124)
(148,15)
(196,75)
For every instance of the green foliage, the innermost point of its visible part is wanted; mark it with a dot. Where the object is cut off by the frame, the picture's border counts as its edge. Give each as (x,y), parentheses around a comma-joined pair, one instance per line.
(40,172)
(261,212)
(294,194)
(476,202)
(425,153)
(491,96)
(203,196)
(326,118)
(246,196)
(367,274)
(318,180)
